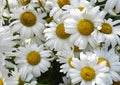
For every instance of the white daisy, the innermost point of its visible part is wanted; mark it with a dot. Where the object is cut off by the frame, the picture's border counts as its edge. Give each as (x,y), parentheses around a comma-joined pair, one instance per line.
(27,22)
(109,32)
(87,71)
(34,58)
(82,25)
(65,58)
(110,4)
(56,36)
(112,62)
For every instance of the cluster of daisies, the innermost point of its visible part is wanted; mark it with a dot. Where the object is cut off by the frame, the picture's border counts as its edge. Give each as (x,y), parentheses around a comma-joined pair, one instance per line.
(83,36)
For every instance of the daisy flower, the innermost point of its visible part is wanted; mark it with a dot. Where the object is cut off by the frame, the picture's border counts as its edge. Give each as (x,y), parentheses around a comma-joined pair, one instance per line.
(56,36)
(27,22)
(109,32)
(112,62)
(86,71)
(82,25)
(110,5)
(65,58)
(34,58)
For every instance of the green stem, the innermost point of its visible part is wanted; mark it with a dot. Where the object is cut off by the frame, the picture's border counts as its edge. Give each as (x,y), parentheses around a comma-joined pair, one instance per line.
(42,6)
(7,5)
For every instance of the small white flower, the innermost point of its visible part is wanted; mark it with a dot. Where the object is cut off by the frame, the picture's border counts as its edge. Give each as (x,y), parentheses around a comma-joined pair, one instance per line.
(109,33)
(28,22)
(86,71)
(56,36)
(34,58)
(82,25)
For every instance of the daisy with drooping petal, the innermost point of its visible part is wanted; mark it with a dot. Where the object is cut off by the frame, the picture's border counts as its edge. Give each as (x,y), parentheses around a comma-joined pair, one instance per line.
(28,22)
(82,25)
(56,36)
(34,58)
(109,33)
(65,58)
(112,62)
(86,71)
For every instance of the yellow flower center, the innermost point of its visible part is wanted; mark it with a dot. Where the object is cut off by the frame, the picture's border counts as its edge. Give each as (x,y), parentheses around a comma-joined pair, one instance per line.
(33,58)
(69,62)
(76,49)
(81,8)
(24,2)
(103,60)
(116,83)
(61,3)
(85,27)
(28,19)
(87,73)
(106,28)
(1,81)
(60,32)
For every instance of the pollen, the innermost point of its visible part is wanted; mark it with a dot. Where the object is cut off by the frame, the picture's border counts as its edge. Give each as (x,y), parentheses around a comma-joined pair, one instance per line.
(1,82)
(106,28)
(60,32)
(87,73)
(103,60)
(61,3)
(24,2)
(81,8)
(28,19)
(33,58)
(69,62)
(85,27)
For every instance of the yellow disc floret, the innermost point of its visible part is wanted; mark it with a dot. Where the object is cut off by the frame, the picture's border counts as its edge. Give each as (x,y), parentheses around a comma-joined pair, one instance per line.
(28,19)
(69,62)
(33,58)
(1,81)
(103,60)
(60,32)
(87,73)
(61,3)
(85,27)
(76,49)
(106,28)
(24,2)
(81,8)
